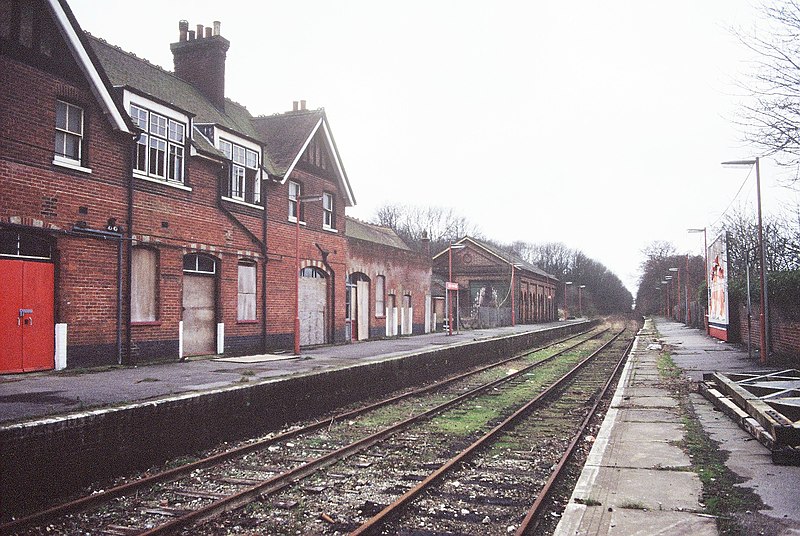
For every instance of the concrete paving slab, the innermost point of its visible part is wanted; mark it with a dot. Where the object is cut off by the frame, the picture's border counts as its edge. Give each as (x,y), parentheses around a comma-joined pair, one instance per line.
(598,520)
(647,488)
(650,402)
(653,415)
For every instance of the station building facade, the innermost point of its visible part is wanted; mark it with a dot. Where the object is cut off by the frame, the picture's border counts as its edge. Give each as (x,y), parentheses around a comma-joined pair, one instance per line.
(388,284)
(492,285)
(146,216)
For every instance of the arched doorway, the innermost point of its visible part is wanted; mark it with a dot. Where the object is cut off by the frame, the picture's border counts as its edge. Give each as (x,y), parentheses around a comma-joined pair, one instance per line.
(199,304)
(313,311)
(27,322)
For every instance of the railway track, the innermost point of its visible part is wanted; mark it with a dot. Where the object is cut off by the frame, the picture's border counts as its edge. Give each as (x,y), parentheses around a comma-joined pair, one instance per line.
(279,473)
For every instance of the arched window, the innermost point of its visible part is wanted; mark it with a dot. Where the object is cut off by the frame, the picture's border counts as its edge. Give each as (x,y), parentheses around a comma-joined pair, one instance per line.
(310,271)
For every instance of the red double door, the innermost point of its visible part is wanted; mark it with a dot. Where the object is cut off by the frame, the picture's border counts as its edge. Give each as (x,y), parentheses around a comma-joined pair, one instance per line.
(27,329)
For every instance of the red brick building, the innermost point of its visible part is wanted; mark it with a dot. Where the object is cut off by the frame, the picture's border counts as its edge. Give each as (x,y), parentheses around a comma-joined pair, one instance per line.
(493,283)
(134,221)
(388,284)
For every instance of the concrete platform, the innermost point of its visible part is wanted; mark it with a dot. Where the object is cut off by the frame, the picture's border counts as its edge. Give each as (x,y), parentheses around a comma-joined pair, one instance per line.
(637,481)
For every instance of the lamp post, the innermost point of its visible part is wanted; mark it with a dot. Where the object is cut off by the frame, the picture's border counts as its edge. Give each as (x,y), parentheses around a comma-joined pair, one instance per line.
(449,283)
(763,315)
(299,200)
(513,310)
(665,297)
(566,307)
(580,306)
(705,257)
(677,291)
(669,295)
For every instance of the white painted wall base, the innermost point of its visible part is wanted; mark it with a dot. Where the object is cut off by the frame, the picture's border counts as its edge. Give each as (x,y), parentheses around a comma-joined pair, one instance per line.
(61,347)
(180,339)
(221,338)
(428,313)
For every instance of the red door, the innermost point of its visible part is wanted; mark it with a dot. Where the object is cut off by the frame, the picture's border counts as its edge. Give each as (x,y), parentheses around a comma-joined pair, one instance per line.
(27,329)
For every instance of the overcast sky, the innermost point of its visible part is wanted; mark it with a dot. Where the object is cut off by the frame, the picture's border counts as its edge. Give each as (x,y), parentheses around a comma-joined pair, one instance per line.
(596,124)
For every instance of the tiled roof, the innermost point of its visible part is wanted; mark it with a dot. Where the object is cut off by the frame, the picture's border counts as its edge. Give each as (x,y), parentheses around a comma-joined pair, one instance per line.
(504,256)
(125,69)
(374,233)
(284,135)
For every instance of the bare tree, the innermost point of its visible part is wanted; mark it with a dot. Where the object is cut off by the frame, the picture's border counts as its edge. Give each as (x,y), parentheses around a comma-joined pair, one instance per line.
(771,117)
(441,225)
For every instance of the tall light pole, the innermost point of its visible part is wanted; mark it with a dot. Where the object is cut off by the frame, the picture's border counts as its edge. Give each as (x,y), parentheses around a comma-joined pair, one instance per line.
(763,315)
(677,290)
(665,297)
(513,310)
(450,284)
(566,307)
(580,306)
(298,203)
(705,257)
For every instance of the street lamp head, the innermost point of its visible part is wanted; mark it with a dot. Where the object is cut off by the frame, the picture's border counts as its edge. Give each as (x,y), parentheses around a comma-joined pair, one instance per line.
(457,246)
(582,286)
(567,282)
(749,162)
(703,230)
(307,198)
(673,269)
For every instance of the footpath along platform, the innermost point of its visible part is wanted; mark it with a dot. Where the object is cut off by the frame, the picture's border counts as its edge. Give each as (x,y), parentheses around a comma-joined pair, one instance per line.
(638,480)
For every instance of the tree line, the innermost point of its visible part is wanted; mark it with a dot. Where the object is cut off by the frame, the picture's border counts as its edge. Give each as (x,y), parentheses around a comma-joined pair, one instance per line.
(603,294)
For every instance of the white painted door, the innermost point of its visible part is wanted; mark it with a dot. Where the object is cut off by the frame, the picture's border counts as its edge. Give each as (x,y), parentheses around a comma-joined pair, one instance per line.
(362,293)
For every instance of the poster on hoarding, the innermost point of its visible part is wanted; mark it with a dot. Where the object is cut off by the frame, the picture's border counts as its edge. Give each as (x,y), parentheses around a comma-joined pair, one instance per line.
(718,288)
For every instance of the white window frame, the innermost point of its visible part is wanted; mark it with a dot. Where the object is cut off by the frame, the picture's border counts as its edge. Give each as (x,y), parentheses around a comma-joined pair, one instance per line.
(294,204)
(242,158)
(161,147)
(65,132)
(328,211)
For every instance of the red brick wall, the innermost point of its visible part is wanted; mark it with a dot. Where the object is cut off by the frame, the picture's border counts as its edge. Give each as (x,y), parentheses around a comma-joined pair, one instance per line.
(281,269)
(37,194)
(406,272)
(784,333)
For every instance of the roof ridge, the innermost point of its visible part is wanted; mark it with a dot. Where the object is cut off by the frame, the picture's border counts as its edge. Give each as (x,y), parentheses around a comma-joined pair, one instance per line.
(133,55)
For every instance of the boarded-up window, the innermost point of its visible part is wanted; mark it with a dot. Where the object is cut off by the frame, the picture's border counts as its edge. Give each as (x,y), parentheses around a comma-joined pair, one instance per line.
(144,285)
(380,292)
(247,292)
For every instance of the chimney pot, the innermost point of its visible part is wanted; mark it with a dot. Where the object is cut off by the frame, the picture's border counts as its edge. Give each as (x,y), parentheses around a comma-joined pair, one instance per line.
(191,35)
(302,104)
(199,31)
(208,31)
(217,26)
(294,106)
(183,29)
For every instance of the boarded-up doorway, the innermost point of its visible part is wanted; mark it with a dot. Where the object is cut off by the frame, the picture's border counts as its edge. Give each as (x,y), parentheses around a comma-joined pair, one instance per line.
(199,316)
(313,306)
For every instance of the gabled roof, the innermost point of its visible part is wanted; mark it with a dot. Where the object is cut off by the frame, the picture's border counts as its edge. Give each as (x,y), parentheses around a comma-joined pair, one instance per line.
(127,70)
(374,233)
(98,82)
(287,135)
(504,256)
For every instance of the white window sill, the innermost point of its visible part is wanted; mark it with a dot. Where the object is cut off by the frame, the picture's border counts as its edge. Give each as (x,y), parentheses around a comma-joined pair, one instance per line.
(240,202)
(171,184)
(330,229)
(70,164)
(294,221)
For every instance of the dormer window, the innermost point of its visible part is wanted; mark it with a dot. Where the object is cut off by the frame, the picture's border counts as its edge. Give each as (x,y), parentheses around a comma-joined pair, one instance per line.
(160,147)
(244,183)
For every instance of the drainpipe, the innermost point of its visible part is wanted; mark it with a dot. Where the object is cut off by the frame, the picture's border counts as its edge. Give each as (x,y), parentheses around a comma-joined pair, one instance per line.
(264,268)
(332,326)
(128,252)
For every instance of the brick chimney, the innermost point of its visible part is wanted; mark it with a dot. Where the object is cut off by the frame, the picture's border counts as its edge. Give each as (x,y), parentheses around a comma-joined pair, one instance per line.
(200,60)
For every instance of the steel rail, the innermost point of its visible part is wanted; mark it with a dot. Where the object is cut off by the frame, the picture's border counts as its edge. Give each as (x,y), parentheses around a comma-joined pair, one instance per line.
(372,525)
(280,481)
(544,493)
(95,499)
